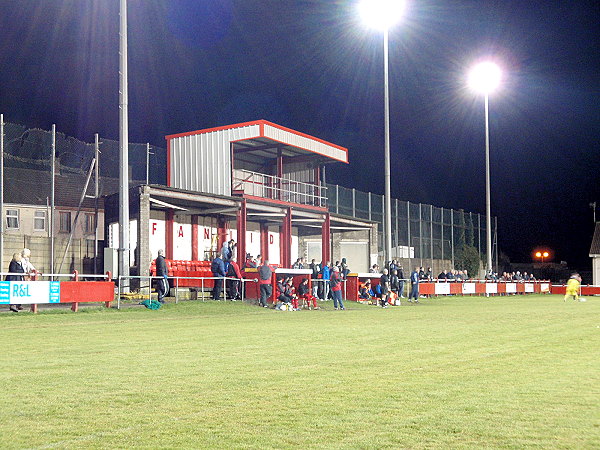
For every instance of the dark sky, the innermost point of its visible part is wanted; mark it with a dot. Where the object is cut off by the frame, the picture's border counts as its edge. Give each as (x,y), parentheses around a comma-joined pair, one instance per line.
(313,66)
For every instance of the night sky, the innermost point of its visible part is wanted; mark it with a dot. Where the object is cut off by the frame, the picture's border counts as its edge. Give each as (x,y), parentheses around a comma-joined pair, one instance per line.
(314,67)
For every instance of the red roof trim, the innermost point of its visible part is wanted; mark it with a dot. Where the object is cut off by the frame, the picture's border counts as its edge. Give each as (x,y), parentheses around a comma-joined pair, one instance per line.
(210,130)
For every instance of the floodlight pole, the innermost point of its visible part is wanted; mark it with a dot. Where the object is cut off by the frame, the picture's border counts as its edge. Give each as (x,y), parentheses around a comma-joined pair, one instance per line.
(488,214)
(387,177)
(1,192)
(123,151)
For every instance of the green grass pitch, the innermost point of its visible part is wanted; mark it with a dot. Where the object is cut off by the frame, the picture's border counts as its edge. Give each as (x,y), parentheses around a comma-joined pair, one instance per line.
(510,372)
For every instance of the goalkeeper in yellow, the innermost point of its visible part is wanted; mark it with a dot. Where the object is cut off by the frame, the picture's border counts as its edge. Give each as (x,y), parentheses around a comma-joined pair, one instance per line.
(573,287)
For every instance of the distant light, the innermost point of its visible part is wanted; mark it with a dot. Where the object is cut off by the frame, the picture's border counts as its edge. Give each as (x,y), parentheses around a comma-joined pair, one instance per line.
(538,254)
(381,14)
(485,77)
(545,254)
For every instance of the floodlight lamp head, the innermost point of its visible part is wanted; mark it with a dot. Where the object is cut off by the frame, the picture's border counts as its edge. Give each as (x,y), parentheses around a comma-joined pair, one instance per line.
(381,14)
(485,77)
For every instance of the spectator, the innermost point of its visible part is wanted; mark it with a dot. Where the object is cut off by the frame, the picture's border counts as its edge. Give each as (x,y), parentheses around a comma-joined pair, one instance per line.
(234,291)
(365,292)
(218,270)
(250,262)
(401,281)
(422,274)
(394,282)
(414,283)
(384,282)
(264,279)
(336,289)
(429,274)
(325,275)
(15,267)
(374,269)
(290,291)
(297,264)
(344,268)
(162,284)
(304,294)
(28,267)
(442,276)
(283,293)
(393,266)
(229,250)
(316,268)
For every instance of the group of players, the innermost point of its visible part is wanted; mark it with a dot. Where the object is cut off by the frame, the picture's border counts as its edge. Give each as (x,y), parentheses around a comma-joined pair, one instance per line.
(289,298)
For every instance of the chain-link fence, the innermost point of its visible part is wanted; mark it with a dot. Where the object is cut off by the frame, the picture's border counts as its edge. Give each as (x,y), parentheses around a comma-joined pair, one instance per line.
(32,149)
(419,231)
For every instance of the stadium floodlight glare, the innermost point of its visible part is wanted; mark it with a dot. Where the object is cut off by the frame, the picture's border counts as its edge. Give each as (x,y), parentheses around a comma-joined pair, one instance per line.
(485,77)
(381,14)
(538,254)
(545,254)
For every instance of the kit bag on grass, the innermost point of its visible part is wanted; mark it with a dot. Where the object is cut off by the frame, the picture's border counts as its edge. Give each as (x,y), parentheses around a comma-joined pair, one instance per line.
(151,304)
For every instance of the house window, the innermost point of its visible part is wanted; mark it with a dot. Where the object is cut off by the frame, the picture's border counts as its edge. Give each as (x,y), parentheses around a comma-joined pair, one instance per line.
(65,222)
(39,221)
(12,219)
(90,223)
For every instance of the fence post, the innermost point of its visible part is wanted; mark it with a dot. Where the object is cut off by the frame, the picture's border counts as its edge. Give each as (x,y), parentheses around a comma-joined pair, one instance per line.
(119,292)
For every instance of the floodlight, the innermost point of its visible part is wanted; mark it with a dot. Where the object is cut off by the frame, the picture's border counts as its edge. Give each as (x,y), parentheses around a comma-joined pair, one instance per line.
(485,77)
(381,14)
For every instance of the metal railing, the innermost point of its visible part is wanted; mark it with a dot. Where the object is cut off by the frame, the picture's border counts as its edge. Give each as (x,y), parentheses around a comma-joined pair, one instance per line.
(278,188)
(202,286)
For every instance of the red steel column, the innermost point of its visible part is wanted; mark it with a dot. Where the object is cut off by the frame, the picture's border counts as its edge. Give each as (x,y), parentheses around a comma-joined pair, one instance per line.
(317,191)
(241,232)
(326,239)
(195,238)
(264,241)
(279,174)
(221,233)
(285,240)
(169,234)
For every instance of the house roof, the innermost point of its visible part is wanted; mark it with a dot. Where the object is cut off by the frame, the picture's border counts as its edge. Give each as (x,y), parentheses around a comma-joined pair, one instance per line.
(34,187)
(595,247)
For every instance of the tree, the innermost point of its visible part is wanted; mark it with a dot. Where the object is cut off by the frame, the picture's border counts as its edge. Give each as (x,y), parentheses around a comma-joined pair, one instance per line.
(468,259)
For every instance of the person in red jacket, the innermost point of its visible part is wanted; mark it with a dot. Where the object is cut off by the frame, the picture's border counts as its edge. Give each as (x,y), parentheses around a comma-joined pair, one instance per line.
(233,286)
(336,288)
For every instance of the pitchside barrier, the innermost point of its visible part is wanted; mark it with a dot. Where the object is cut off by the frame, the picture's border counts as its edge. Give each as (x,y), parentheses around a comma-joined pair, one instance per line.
(178,282)
(587,289)
(443,287)
(36,292)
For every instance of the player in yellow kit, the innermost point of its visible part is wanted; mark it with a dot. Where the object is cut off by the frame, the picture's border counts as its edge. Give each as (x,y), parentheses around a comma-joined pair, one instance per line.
(573,287)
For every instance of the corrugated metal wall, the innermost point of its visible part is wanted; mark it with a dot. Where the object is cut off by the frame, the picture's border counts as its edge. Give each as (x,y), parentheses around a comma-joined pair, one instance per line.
(202,162)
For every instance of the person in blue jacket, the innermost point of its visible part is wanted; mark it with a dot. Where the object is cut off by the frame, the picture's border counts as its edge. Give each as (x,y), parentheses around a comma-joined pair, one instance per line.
(414,284)
(326,276)
(218,269)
